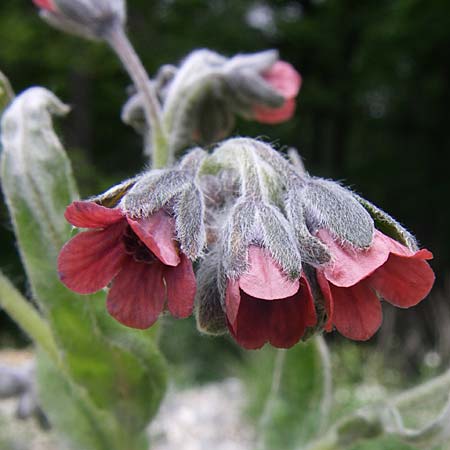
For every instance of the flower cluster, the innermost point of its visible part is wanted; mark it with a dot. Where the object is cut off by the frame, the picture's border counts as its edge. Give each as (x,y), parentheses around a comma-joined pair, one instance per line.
(281,254)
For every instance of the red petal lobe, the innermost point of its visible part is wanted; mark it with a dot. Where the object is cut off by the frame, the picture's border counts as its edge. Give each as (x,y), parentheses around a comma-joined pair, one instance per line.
(264,279)
(349,265)
(272,116)
(357,311)
(181,287)
(328,298)
(284,78)
(157,232)
(403,281)
(137,295)
(90,215)
(45,4)
(232,301)
(90,260)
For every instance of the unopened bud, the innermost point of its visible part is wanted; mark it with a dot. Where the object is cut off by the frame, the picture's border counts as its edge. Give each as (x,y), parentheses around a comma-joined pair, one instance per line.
(89,18)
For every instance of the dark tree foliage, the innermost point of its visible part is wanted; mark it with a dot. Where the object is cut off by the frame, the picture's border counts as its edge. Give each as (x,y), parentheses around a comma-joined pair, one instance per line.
(373,110)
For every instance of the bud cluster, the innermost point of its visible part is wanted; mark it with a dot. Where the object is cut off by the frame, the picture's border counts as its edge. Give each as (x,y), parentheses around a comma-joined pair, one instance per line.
(202,97)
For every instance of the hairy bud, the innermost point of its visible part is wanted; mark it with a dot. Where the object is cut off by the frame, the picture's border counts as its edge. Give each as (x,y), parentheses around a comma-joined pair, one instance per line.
(89,18)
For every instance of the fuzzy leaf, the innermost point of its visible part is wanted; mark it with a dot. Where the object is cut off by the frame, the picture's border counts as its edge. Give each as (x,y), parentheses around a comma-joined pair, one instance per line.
(279,240)
(209,312)
(311,249)
(388,225)
(112,196)
(238,234)
(328,205)
(6,92)
(101,357)
(81,422)
(154,190)
(189,222)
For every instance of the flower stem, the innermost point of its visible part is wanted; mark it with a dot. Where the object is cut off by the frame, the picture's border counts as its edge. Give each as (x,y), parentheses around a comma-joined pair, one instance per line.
(327,397)
(266,415)
(26,316)
(120,43)
(370,422)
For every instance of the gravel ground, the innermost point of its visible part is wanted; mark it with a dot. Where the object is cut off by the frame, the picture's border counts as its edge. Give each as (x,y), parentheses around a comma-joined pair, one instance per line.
(201,418)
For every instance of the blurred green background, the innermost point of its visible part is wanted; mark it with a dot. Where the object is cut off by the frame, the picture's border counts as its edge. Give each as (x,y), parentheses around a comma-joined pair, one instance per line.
(372,112)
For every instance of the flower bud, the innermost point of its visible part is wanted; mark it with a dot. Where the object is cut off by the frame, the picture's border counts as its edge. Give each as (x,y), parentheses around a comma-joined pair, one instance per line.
(89,18)
(209,89)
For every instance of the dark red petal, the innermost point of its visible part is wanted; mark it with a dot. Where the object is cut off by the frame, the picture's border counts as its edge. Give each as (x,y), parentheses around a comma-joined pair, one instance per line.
(328,298)
(290,317)
(284,79)
(309,309)
(90,260)
(137,295)
(45,4)
(90,215)
(280,322)
(264,278)
(181,287)
(252,324)
(403,281)
(272,116)
(357,311)
(349,265)
(232,301)
(157,233)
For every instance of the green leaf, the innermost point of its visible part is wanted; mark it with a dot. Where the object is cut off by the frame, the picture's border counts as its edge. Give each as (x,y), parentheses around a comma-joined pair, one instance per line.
(6,92)
(290,393)
(121,369)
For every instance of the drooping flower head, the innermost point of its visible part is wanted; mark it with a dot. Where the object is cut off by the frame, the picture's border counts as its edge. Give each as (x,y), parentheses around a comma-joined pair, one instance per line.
(139,257)
(355,278)
(365,264)
(143,234)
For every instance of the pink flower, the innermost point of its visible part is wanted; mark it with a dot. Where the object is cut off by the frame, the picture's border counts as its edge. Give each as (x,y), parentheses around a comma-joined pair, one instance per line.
(262,305)
(45,4)
(351,281)
(139,256)
(286,81)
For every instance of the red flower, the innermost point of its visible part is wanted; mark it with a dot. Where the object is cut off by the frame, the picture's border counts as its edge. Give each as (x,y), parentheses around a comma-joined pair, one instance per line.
(264,306)
(45,4)
(351,281)
(286,81)
(140,256)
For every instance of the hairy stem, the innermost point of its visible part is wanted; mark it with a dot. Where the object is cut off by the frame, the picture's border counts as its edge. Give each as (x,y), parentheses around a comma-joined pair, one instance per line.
(370,422)
(120,43)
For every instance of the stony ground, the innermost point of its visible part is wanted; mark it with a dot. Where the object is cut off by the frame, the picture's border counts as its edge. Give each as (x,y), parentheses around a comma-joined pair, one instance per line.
(201,418)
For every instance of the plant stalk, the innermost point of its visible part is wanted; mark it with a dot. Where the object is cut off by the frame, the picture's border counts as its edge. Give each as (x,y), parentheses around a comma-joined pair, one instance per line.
(120,43)
(26,316)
